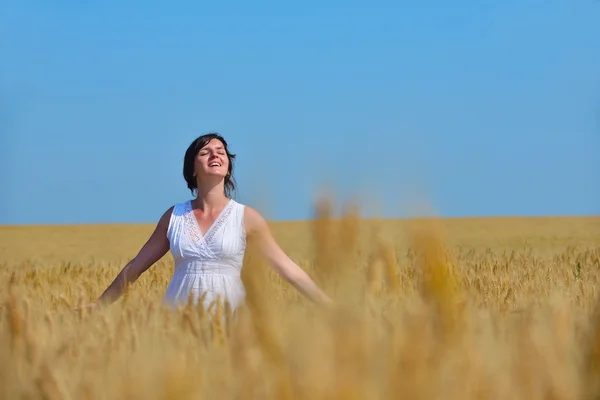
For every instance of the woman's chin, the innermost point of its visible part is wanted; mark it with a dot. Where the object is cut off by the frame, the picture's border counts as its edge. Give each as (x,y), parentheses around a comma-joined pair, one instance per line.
(216,175)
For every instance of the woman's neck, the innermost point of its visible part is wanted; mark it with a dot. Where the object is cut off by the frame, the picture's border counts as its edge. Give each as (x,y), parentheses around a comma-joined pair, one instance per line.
(211,197)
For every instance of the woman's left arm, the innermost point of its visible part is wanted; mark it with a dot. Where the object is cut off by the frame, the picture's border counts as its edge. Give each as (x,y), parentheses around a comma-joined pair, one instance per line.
(257,228)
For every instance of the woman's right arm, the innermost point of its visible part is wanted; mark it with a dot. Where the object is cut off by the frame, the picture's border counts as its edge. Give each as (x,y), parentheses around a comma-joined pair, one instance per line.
(152,251)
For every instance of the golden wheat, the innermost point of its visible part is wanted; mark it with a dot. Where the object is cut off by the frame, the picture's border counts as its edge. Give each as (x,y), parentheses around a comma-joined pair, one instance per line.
(453,309)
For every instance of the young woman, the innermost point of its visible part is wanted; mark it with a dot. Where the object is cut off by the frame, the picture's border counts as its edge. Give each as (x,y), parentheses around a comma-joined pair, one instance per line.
(207,237)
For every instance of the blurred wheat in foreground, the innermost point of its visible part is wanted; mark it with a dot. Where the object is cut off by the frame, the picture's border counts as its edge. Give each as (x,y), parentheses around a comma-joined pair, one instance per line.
(424,313)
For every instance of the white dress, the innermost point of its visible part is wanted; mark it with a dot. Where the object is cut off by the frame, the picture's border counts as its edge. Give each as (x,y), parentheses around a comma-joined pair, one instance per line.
(209,263)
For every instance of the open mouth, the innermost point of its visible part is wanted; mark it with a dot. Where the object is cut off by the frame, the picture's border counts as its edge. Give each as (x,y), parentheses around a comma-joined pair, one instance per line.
(214,164)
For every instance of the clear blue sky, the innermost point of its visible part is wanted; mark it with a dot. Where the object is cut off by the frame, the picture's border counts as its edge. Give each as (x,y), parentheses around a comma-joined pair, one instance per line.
(485,108)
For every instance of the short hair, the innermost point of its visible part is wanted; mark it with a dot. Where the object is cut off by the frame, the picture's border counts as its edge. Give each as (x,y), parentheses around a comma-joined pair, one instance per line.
(190,155)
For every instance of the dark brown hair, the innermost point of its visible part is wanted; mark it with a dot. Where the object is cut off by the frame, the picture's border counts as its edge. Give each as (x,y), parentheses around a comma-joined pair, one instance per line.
(190,155)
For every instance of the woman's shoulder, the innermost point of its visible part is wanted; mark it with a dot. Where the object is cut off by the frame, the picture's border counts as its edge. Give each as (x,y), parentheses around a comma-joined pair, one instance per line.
(253,220)
(176,209)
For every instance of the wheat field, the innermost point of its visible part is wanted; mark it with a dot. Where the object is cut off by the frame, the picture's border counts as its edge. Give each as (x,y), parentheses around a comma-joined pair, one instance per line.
(497,308)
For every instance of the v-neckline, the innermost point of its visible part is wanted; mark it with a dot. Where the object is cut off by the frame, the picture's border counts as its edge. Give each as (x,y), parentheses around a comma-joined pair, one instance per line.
(212,225)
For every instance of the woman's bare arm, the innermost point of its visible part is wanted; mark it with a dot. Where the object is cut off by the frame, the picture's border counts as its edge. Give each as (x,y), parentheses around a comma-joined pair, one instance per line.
(152,251)
(257,227)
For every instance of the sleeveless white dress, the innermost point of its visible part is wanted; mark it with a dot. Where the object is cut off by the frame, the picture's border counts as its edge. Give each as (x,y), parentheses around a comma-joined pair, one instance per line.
(209,263)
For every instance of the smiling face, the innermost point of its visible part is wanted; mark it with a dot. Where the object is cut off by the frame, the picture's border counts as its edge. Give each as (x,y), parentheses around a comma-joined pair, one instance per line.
(212,160)
(208,160)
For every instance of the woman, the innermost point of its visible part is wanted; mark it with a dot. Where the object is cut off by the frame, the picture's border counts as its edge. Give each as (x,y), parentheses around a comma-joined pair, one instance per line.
(207,237)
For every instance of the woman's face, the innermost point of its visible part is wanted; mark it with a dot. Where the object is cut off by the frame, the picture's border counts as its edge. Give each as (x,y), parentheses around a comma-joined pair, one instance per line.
(212,160)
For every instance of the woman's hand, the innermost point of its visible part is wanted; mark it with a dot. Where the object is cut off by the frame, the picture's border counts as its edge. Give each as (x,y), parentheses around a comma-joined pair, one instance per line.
(155,248)
(257,227)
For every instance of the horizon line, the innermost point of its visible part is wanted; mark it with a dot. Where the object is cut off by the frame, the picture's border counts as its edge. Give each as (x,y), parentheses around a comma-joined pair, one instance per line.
(334,218)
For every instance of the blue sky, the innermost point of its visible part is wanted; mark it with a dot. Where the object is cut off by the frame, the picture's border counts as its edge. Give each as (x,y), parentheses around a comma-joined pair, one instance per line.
(482,108)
